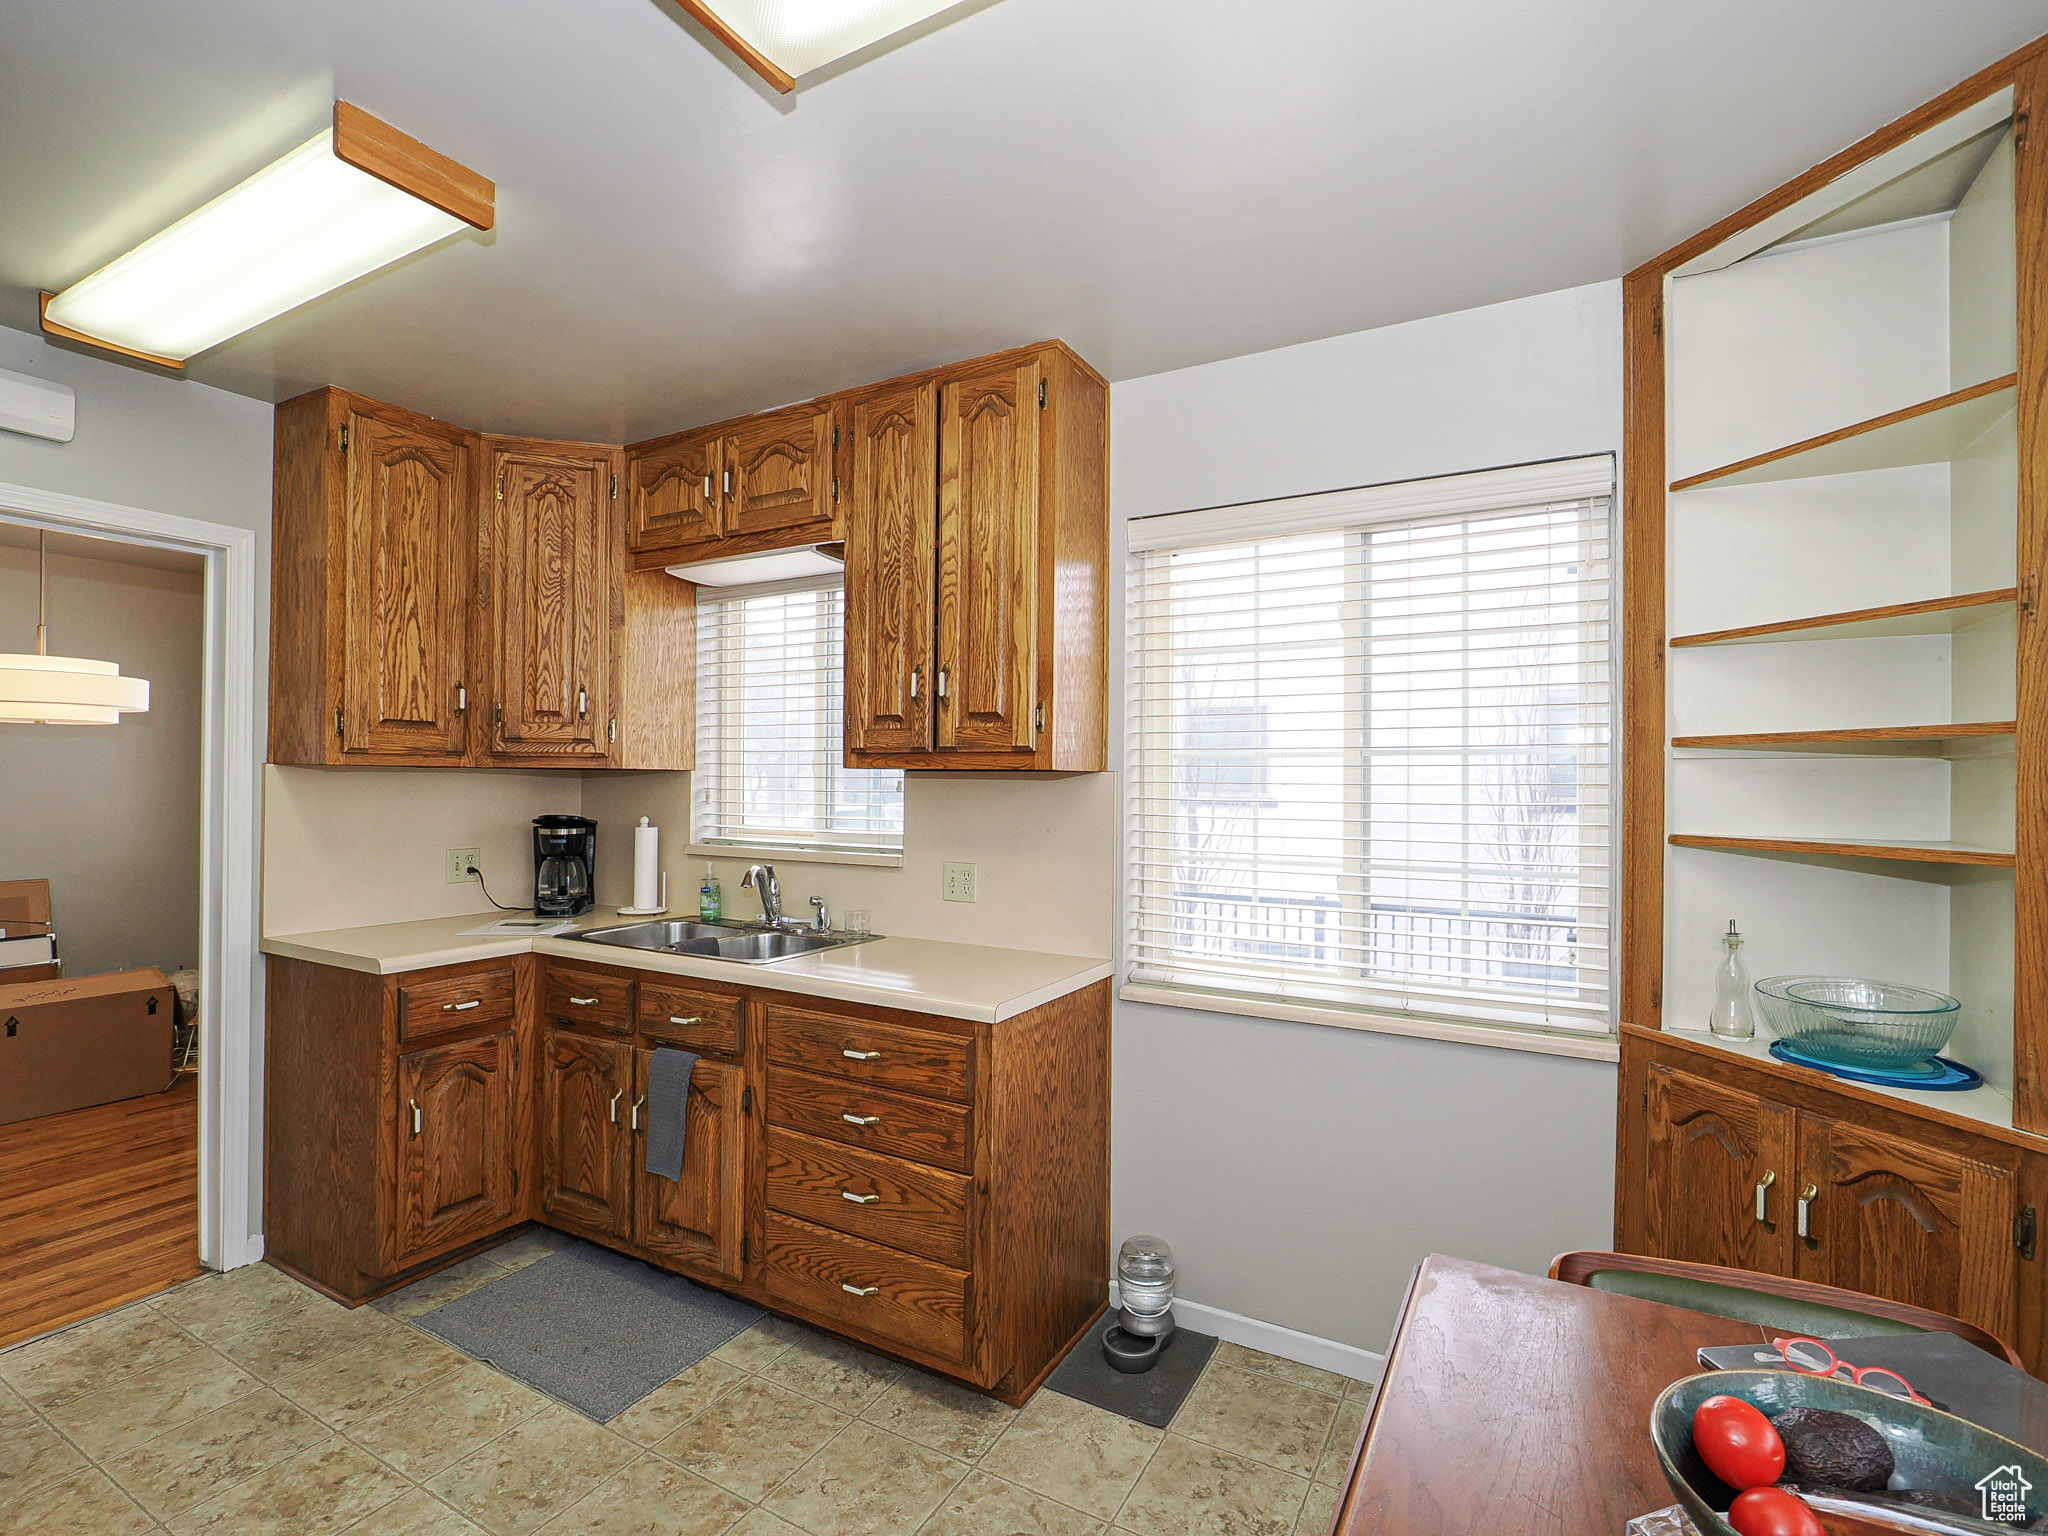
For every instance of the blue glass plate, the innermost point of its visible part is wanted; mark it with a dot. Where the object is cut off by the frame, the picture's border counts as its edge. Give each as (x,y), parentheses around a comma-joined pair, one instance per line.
(1937,1074)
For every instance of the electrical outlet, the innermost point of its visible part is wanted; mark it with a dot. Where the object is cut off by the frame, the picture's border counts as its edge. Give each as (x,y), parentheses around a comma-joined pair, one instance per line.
(959,882)
(461,865)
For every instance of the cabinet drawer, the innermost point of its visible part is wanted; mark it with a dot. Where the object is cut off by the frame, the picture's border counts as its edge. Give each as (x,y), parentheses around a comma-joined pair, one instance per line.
(855,1114)
(891,1295)
(889,1055)
(696,1021)
(884,1199)
(585,997)
(430,1004)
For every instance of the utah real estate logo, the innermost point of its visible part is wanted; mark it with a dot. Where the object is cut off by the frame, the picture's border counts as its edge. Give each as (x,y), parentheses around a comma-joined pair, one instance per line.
(2005,1495)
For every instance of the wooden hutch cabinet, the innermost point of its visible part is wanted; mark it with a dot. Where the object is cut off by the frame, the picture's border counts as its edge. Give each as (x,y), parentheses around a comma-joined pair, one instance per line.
(1836,707)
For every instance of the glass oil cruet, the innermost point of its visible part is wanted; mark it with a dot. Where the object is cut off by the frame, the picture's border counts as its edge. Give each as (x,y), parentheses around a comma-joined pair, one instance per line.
(1732,1018)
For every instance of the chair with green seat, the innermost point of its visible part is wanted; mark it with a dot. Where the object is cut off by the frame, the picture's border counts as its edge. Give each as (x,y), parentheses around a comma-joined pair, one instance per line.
(1769,1301)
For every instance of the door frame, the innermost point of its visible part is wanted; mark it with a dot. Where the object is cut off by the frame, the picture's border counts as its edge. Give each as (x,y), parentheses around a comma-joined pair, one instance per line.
(230,968)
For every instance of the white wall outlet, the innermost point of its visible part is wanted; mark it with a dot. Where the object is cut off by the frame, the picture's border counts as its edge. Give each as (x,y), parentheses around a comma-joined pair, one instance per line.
(462,865)
(959,884)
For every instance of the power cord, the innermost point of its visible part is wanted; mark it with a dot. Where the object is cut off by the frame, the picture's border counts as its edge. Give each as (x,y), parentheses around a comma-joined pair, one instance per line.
(478,870)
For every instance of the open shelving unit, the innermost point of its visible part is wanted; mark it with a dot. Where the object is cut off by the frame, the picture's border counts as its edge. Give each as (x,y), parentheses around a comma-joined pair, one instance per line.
(1893,621)
(1967,739)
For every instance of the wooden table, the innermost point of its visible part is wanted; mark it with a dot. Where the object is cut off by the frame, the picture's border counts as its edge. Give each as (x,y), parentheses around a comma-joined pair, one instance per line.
(1514,1405)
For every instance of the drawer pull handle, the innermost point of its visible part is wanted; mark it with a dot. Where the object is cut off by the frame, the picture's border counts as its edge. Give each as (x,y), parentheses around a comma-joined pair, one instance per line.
(676,1018)
(615,1105)
(860,1290)
(852,1119)
(474,1002)
(415,1103)
(1805,1209)
(636,1113)
(584,1002)
(847,1194)
(1763,1194)
(853,1055)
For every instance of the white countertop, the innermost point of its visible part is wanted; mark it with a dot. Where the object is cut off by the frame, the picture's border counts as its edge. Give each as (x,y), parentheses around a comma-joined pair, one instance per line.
(960,981)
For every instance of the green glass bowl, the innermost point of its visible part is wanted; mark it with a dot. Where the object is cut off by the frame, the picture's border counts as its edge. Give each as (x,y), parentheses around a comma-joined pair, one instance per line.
(1935,1451)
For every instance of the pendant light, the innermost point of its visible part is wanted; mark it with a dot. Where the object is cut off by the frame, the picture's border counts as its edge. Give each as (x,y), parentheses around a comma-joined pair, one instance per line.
(42,689)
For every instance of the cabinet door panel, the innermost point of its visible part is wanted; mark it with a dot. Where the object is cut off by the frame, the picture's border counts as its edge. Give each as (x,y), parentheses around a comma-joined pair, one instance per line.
(674,494)
(407,591)
(456,1144)
(988,561)
(695,1220)
(1897,1219)
(584,1138)
(781,473)
(891,529)
(1709,1148)
(551,591)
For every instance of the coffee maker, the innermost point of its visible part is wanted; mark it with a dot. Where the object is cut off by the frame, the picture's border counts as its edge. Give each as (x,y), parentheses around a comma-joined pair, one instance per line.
(564,865)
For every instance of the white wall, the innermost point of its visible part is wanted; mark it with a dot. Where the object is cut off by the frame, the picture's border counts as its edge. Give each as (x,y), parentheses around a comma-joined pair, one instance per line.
(1302,1171)
(166,445)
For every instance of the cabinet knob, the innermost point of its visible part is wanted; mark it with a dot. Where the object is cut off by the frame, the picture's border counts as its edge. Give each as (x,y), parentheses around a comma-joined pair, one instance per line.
(461,699)
(707,487)
(615,1105)
(852,1055)
(859,1290)
(582,704)
(474,1002)
(847,1194)
(636,1113)
(584,1002)
(915,674)
(1763,1194)
(1805,1210)
(942,684)
(415,1103)
(852,1119)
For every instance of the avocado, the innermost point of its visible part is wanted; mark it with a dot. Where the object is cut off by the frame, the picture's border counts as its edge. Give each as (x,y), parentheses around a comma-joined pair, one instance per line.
(1835,1450)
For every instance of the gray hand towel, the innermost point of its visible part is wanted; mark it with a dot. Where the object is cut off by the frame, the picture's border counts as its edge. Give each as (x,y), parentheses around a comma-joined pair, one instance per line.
(668,1110)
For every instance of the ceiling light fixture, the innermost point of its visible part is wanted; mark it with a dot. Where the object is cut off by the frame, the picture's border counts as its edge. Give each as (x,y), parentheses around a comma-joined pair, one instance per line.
(62,690)
(782,39)
(356,197)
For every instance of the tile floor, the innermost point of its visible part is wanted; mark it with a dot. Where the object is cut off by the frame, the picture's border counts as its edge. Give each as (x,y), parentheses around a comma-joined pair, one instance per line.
(248,1405)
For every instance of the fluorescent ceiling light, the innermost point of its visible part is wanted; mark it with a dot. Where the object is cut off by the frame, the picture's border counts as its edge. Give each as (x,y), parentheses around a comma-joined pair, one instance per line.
(357,196)
(748,570)
(781,39)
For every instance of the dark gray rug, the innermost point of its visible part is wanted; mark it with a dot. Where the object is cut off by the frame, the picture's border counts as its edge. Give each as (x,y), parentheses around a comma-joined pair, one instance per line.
(1151,1397)
(591,1328)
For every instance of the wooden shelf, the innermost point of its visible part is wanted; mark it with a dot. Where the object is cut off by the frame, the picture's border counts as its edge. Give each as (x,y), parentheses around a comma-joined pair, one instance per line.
(1901,852)
(1935,616)
(1932,432)
(1891,741)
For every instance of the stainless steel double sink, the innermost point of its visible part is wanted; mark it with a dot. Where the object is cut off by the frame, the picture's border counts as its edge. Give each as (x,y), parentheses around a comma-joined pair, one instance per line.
(748,944)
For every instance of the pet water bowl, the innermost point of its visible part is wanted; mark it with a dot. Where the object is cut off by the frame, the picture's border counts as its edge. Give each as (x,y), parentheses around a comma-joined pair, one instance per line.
(1855,1023)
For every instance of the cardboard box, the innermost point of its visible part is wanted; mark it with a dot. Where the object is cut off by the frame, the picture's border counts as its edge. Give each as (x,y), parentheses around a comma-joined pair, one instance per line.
(88,1040)
(24,908)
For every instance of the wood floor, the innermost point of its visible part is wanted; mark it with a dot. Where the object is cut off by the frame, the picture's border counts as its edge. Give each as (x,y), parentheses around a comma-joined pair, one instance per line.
(97,1207)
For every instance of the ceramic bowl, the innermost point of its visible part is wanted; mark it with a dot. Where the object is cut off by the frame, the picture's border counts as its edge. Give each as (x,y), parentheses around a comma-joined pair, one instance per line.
(1936,1452)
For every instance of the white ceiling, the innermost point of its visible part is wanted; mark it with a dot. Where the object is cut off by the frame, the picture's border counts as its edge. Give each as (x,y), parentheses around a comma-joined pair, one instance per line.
(1161,182)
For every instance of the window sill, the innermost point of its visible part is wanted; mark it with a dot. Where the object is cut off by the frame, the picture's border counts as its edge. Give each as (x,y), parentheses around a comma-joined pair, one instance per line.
(791,855)
(1586,1048)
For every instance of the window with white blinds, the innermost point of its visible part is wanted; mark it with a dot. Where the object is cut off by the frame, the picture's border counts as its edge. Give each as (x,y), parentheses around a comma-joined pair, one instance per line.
(1369,750)
(770,757)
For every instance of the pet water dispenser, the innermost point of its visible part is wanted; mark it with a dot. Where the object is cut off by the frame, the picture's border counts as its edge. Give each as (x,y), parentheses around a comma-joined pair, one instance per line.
(1144,1277)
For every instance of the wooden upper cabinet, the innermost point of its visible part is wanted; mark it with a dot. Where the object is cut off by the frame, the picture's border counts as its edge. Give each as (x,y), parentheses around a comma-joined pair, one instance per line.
(741,487)
(891,547)
(456,1148)
(1894,1217)
(1716,1157)
(549,562)
(778,475)
(371,585)
(696,1220)
(586,1181)
(674,493)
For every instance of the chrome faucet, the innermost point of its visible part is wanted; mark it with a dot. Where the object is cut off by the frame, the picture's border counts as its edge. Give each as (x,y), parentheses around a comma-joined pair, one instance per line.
(761,878)
(821,919)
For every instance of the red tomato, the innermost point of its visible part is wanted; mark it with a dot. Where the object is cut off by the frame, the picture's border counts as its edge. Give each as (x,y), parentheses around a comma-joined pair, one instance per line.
(1737,1442)
(1773,1512)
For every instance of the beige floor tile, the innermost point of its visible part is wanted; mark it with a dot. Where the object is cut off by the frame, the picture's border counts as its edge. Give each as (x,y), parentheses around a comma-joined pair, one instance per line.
(447,1420)
(439,1289)
(1318,1511)
(988,1506)
(324,1489)
(940,1414)
(1246,1359)
(219,1306)
(286,1343)
(867,1482)
(84,1504)
(123,1416)
(93,1355)
(763,1344)
(190,1464)
(31,1453)
(417,1513)
(528,1248)
(1361,1391)
(752,1438)
(833,1372)
(760,1523)
(348,1387)
(1344,1433)
(652,1497)
(1196,1490)
(533,1472)
(1259,1416)
(1071,1451)
(670,1406)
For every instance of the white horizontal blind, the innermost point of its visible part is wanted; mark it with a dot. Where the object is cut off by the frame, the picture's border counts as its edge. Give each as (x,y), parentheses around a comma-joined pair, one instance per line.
(770,756)
(1369,750)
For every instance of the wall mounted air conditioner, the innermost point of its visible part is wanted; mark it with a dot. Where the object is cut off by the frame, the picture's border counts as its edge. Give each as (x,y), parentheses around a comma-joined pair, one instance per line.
(37,407)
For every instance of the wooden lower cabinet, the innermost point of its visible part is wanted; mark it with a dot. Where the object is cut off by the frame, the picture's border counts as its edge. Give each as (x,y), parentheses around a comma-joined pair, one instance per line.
(455,1158)
(695,1222)
(585,1177)
(1718,1153)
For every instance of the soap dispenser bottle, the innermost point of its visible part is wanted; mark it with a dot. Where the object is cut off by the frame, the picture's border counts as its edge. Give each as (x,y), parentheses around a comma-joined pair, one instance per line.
(1732,1018)
(709,901)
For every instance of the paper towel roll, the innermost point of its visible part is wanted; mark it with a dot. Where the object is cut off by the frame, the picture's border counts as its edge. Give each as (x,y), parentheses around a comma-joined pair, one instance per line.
(646,866)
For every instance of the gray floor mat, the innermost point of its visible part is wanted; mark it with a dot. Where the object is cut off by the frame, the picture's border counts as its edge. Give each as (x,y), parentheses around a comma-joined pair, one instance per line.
(1151,1397)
